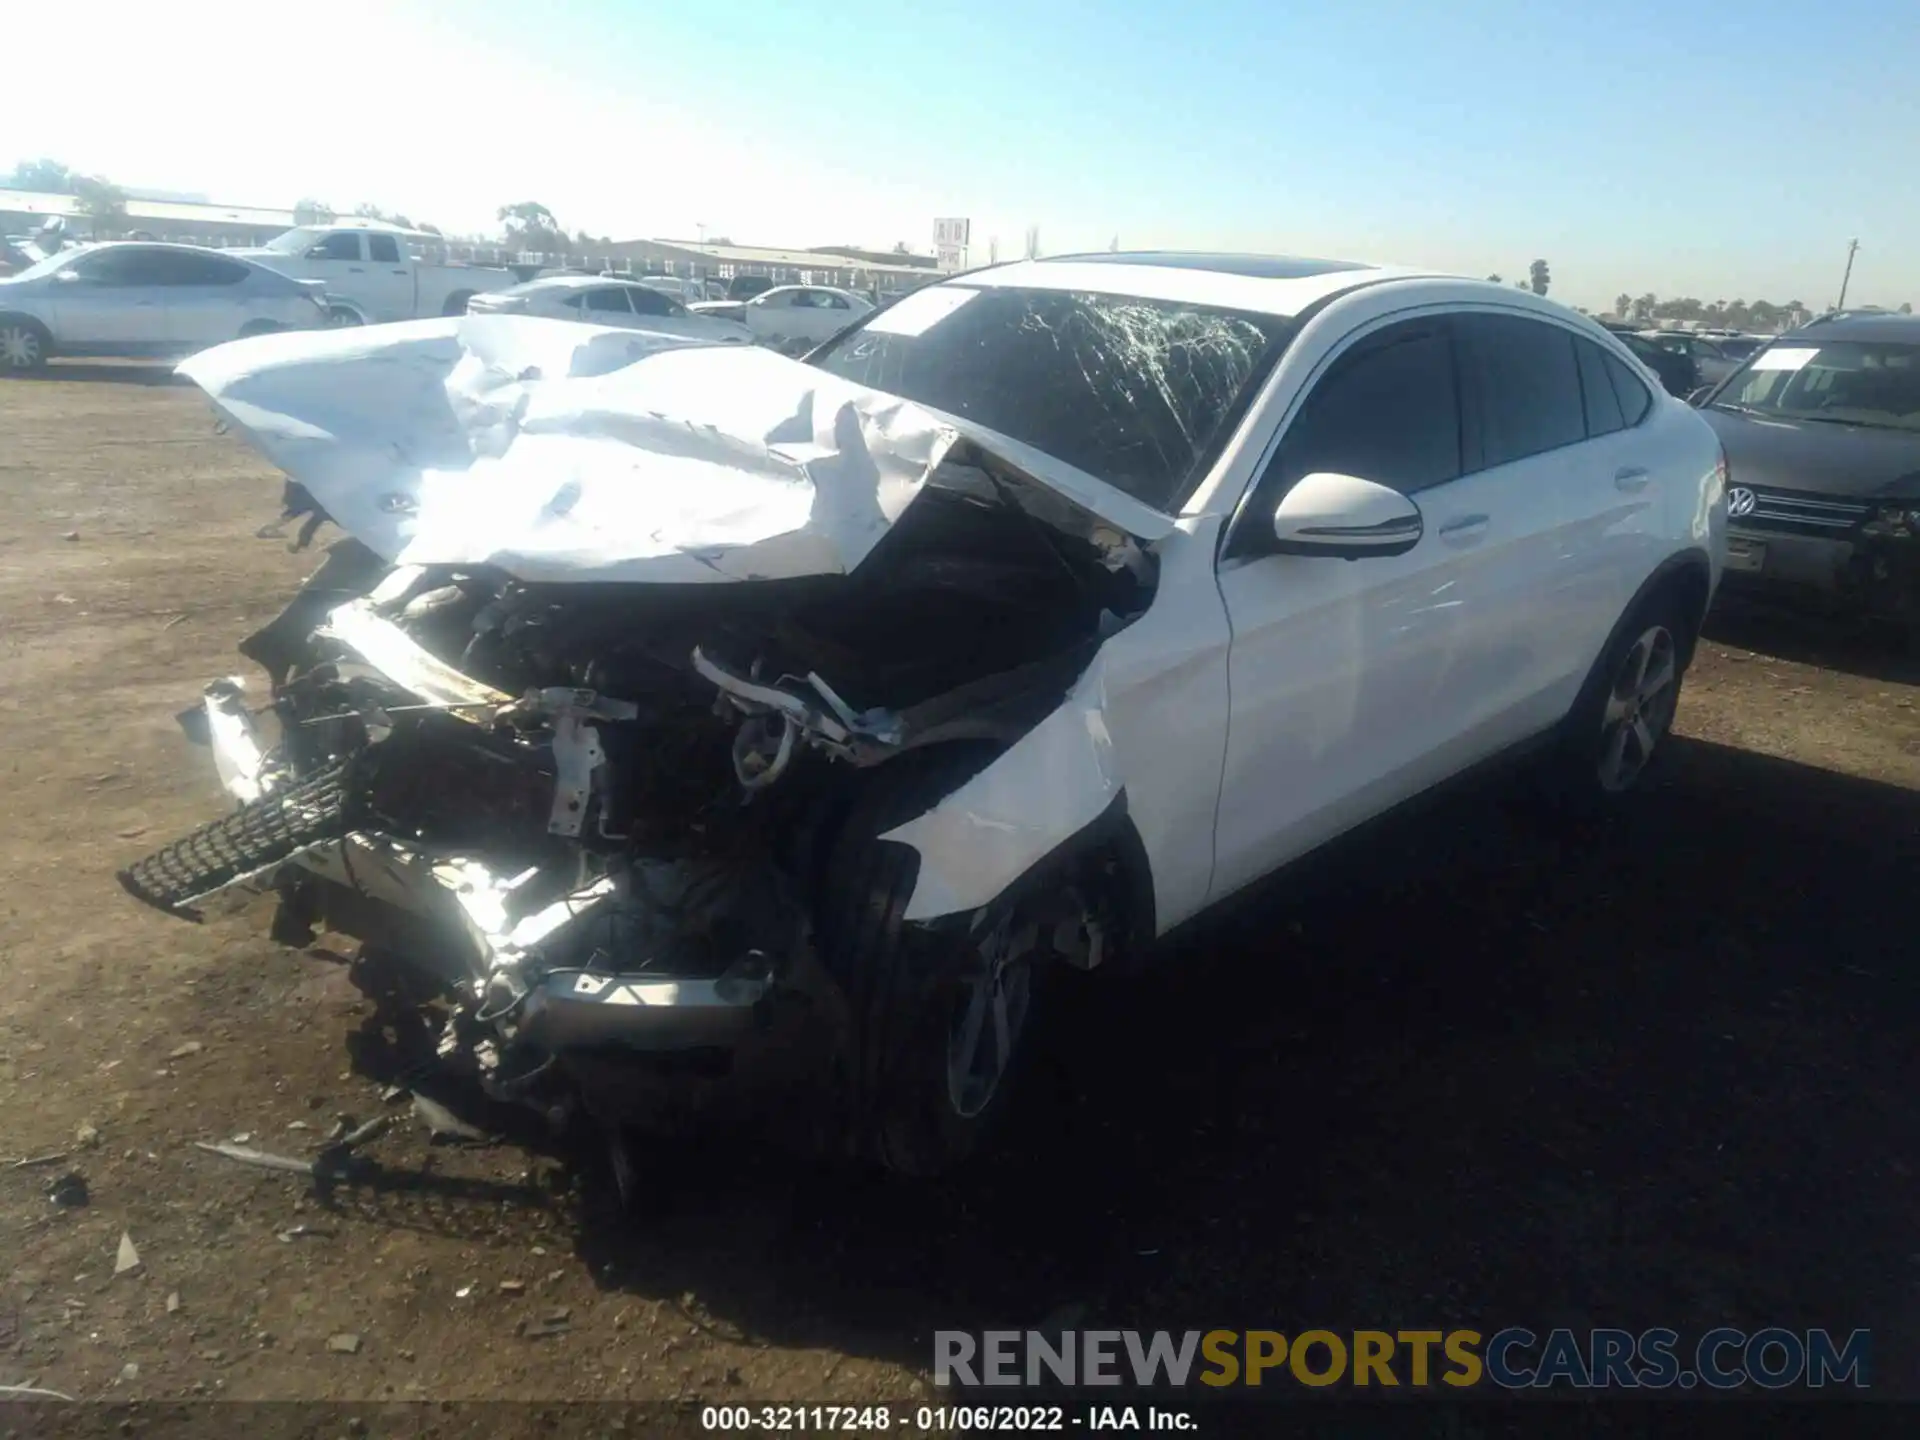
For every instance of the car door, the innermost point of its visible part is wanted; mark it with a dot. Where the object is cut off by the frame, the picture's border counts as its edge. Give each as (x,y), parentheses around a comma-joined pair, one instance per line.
(340,259)
(825,315)
(772,317)
(607,305)
(114,304)
(1352,681)
(387,282)
(1563,483)
(206,300)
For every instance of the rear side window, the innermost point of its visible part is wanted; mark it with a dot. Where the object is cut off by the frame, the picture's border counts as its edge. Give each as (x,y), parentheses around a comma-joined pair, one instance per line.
(652,302)
(183,267)
(612,299)
(1526,386)
(1388,411)
(1604,415)
(1635,398)
(124,265)
(383,250)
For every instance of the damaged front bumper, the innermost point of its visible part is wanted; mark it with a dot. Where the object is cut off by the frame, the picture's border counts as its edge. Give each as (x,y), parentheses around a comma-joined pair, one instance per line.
(552,969)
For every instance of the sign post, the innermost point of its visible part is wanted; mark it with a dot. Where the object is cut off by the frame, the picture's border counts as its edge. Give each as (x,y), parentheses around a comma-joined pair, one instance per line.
(950,238)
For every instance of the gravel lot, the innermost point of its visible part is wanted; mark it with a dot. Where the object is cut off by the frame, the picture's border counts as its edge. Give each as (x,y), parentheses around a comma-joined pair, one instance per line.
(1662,1073)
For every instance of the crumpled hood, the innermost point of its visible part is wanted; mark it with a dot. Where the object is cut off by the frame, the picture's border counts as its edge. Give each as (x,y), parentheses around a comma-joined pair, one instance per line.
(563,452)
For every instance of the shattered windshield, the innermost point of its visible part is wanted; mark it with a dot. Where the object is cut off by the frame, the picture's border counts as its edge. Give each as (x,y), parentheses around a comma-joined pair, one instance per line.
(1141,393)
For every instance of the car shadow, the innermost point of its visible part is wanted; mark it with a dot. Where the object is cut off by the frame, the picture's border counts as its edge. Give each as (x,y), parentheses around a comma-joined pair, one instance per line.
(110,372)
(1855,647)
(1657,1071)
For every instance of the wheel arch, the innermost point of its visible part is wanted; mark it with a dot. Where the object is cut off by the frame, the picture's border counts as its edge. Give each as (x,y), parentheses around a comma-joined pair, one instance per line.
(1688,576)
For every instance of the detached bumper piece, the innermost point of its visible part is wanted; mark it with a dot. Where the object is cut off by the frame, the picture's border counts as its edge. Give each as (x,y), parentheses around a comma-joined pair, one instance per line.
(252,840)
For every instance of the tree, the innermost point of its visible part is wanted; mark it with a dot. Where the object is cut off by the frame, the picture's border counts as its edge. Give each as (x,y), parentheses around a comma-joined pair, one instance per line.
(1521,285)
(1643,307)
(531,227)
(1622,303)
(430,229)
(47,176)
(1537,277)
(900,248)
(368,211)
(102,202)
(1033,242)
(1496,280)
(1906,307)
(313,212)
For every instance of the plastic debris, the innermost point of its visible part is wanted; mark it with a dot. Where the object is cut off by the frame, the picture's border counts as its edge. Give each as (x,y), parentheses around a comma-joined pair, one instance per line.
(128,1258)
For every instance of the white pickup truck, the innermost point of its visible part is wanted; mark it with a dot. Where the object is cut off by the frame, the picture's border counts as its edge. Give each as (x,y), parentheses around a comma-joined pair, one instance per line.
(375,273)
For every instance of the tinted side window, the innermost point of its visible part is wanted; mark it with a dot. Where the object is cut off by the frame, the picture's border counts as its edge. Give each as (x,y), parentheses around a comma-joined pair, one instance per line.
(122,265)
(834,302)
(1604,415)
(651,302)
(610,299)
(1526,385)
(383,249)
(1635,399)
(180,267)
(341,245)
(1388,411)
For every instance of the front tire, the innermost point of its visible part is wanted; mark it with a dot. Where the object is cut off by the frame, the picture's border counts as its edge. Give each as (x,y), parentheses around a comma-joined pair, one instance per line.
(339,317)
(457,303)
(24,345)
(943,1014)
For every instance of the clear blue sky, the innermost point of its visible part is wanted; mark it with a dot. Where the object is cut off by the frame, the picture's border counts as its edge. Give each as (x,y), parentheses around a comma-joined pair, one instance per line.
(1685,149)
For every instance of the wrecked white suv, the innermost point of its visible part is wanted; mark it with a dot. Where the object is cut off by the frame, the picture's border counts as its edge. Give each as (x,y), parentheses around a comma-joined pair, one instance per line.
(719,730)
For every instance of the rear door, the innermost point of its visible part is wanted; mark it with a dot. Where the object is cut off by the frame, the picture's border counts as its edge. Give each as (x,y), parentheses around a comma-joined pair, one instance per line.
(387,283)
(1567,484)
(207,301)
(607,305)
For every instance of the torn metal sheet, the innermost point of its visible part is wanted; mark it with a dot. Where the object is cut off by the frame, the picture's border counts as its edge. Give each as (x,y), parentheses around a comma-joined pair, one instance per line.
(565,453)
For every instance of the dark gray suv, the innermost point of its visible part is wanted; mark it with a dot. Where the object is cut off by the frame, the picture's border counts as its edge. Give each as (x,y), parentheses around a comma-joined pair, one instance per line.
(1822,434)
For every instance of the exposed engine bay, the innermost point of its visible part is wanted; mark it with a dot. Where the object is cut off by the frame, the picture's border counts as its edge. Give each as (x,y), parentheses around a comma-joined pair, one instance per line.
(598,814)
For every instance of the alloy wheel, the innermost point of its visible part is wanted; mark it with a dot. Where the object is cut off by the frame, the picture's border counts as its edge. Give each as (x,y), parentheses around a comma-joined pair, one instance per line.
(19,347)
(1640,706)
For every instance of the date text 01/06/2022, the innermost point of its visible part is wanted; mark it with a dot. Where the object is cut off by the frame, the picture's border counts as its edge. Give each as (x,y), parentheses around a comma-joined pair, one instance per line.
(938,1419)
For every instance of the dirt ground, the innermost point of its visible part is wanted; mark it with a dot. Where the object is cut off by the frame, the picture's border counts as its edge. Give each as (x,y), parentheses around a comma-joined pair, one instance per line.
(1659,1074)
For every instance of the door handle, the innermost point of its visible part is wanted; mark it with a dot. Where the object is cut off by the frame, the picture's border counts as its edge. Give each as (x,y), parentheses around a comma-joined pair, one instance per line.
(356,270)
(1630,477)
(396,272)
(1464,530)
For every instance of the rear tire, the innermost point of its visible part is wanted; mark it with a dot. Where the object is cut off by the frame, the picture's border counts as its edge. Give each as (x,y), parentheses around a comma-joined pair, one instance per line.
(25,344)
(1616,731)
(943,1015)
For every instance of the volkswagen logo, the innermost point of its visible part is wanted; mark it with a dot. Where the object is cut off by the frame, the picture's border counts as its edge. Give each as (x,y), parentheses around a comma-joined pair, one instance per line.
(1740,502)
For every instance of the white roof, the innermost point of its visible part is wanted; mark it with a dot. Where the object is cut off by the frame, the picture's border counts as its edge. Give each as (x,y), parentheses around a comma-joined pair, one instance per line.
(1264,285)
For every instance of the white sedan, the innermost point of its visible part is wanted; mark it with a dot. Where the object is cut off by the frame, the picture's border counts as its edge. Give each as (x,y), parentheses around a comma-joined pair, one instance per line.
(599,300)
(139,299)
(793,318)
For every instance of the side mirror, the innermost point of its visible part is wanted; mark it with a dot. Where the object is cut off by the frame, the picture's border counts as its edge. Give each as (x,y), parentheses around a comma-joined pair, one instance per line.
(1346,517)
(1697,398)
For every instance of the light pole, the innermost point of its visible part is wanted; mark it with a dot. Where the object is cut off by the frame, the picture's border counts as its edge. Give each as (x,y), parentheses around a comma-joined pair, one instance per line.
(1852,246)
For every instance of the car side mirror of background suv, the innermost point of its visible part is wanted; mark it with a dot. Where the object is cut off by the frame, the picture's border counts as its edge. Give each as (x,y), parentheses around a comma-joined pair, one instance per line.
(1346,517)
